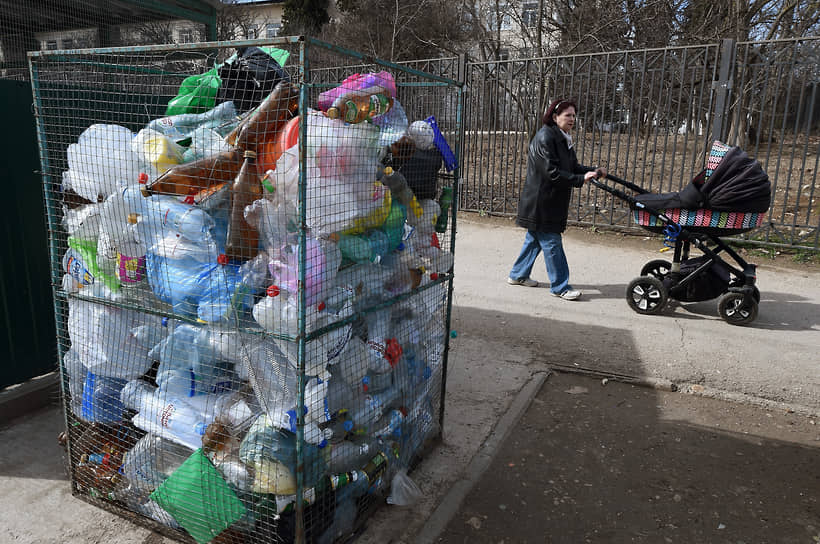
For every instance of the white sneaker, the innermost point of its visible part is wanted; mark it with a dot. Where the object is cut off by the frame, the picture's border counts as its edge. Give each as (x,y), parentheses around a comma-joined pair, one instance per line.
(569,294)
(526,282)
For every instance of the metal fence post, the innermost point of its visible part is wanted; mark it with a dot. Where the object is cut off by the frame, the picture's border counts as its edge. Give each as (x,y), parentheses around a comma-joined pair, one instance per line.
(722,87)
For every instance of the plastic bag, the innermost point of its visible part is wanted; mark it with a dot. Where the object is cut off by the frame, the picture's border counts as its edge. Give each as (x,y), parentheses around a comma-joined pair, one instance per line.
(359,84)
(251,76)
(403,490)
(198,497)
(197,94)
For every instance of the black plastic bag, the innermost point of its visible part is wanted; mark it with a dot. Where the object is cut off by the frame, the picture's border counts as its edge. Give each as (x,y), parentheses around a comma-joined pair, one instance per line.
(249,78)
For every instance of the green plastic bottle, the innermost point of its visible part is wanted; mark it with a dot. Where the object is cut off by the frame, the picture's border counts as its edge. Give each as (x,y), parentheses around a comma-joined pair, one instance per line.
(445,202)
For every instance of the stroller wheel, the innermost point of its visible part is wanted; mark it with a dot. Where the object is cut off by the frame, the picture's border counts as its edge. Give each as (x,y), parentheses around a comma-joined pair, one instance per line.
(737,308)
(646,295)
(658,268)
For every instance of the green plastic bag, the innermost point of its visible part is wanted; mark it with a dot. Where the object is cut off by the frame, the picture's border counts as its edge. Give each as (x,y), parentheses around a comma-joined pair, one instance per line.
(199,499)
(197,94)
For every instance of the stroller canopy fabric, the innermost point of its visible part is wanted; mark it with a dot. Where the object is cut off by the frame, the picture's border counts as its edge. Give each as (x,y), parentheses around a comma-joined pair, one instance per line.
(732,181)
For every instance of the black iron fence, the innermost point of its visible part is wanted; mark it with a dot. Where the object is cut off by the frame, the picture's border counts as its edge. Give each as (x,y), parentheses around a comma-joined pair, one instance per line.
(649,116)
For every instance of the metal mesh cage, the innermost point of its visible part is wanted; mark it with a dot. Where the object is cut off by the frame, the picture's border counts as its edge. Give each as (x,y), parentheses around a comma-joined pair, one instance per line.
(251,256)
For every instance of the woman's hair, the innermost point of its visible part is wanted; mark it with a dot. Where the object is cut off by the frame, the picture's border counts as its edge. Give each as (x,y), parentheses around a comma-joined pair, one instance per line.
(556,108)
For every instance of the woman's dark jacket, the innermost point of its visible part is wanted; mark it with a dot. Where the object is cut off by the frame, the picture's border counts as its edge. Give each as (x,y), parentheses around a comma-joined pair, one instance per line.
(552,171)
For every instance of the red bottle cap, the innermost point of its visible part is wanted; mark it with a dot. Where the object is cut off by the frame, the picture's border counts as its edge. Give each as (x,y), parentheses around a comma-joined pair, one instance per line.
(222,259)
(321,306)
(143,179)
(273,291)
(433,276)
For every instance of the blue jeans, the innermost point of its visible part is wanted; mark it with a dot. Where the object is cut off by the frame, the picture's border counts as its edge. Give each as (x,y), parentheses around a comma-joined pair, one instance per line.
(554,257)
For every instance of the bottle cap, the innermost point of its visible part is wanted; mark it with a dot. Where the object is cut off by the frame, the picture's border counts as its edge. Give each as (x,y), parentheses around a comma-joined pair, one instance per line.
(222,259)
(132,218)
(321,306)
(200,428)
(143,178)
(333,113)
(273,291)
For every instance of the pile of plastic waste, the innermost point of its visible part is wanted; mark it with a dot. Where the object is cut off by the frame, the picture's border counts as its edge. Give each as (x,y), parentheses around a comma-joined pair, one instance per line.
(188,275)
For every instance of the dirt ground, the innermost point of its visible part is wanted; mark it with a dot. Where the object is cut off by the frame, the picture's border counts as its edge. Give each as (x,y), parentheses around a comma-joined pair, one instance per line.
(610,462)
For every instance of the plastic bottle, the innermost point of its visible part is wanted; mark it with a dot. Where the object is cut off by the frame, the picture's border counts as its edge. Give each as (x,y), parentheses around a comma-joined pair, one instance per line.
(397,183)
(389,426)
(183,125)
(243,240)
(350,455)
(445,201)
(157,150)
(131,257)
(355,108)
(150,462)
(74,266)
(268,119)
(344,516)
(191,178)
(372,407)
(368,247)
(76,380)
(180,421)
(271,450)
(205,142)
(101,399)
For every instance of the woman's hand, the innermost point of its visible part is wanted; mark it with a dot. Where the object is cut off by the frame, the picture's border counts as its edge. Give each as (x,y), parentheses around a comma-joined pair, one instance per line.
(590,175)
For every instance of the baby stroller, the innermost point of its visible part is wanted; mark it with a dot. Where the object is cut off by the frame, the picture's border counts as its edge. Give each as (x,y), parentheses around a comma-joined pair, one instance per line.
(730,196)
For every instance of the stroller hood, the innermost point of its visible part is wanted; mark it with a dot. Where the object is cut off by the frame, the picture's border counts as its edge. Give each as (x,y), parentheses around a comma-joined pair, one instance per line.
(732,181)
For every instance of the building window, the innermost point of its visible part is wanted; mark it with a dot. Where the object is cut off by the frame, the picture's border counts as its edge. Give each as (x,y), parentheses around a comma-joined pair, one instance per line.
(50,45)
(272,29)
(529,14)
(67,44)
(500,19)
(252,32)
(186,35)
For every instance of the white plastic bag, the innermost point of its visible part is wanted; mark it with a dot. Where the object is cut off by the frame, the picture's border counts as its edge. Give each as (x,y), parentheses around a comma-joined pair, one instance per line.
(403,490)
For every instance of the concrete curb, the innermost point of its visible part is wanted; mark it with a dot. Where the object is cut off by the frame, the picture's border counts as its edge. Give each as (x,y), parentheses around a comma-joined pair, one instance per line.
(451,502)
(741,398)
(28,397)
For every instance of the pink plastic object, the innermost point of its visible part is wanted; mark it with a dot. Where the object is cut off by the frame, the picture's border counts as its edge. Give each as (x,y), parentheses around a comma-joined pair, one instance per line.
(359,84)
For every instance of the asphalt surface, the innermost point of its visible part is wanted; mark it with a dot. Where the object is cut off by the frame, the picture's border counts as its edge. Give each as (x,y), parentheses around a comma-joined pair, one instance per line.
(508,339)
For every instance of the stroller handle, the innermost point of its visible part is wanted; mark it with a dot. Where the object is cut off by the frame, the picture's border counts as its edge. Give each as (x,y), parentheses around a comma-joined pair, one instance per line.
(627,184)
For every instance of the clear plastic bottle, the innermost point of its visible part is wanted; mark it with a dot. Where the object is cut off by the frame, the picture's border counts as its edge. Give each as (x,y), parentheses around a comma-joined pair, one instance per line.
(150,462)
(171,416)
(179,126)
(349,455)
(365,416)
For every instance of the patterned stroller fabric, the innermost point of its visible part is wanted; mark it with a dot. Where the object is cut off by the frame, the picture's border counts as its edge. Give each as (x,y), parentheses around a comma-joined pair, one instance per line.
(731,195)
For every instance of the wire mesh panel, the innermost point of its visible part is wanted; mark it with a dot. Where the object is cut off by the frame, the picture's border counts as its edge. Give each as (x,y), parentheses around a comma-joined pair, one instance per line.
(251,257)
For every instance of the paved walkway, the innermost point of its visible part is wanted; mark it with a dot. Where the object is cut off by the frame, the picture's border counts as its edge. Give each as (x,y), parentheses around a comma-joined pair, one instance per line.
(508,338)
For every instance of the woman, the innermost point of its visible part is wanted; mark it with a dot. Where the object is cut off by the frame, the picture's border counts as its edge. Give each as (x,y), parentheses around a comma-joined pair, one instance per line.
(552,171)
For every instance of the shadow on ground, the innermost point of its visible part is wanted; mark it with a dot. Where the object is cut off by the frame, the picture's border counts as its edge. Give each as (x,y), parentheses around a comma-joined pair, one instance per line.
(617,463)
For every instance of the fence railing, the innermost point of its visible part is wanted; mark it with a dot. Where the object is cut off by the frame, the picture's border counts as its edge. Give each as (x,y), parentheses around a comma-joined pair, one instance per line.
(649,116)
